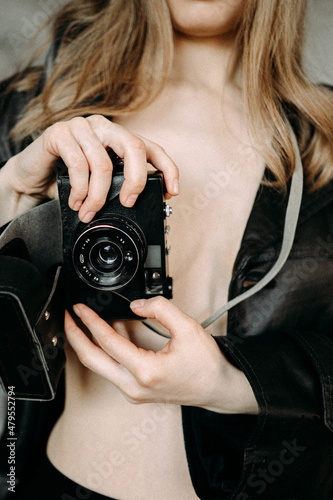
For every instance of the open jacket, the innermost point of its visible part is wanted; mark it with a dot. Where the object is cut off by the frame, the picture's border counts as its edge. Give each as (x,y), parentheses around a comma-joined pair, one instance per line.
(281,337)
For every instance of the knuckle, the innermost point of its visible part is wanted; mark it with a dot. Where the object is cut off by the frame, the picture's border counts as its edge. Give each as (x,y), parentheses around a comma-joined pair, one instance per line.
(136,183)
(78,121)
(133,401)
(97,119)
(103,167)
(147,378)
(84,359)
(74,162)
(157,149)
(104,341)
(136,143)
(55,130)
(94,203)
(58,127)
(79,192)
(158,302)
(135,395)
(99,123)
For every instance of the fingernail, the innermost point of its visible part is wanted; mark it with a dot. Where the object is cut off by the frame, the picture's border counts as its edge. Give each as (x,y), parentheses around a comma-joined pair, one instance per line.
(176,186)
(136,304)
(77,311)
(88,217)
(130,200)
(77,206)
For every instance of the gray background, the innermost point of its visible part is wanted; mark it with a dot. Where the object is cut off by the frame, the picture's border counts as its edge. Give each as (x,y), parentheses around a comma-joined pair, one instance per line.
(21,19)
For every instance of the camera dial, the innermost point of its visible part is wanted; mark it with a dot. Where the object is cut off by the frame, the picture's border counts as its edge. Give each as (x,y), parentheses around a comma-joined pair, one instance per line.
(109,252)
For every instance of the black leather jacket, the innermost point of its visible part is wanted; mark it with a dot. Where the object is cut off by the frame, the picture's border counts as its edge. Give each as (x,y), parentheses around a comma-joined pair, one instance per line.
(281,338)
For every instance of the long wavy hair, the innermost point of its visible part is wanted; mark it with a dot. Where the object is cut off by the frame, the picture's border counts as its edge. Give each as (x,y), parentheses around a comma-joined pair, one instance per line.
(114,56)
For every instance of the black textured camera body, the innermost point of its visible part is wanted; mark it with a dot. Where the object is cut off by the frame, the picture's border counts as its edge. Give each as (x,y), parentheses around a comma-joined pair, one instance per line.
(121,255)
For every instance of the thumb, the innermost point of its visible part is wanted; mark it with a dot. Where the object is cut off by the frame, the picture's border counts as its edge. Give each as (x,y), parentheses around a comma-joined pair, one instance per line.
(165,312)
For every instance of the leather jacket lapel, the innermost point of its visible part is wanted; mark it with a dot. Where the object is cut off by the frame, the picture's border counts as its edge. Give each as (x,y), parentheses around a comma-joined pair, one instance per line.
(266,222)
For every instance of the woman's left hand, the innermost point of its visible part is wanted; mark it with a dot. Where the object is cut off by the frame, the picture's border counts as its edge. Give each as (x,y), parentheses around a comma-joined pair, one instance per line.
(189,370)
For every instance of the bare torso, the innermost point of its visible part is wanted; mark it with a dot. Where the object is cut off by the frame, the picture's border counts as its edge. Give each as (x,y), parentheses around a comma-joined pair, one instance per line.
(102,441)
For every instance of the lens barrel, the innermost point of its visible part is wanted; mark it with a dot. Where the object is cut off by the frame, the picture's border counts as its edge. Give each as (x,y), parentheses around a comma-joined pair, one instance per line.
(108,253)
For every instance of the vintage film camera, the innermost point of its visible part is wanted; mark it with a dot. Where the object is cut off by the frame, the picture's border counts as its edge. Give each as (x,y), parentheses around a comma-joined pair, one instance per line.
(122,254)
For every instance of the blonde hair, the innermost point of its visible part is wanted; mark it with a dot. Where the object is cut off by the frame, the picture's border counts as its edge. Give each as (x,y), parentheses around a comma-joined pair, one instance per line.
(114,57)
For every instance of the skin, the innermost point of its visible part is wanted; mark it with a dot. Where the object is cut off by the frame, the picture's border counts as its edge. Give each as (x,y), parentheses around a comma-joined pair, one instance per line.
(123,358)
(206,18)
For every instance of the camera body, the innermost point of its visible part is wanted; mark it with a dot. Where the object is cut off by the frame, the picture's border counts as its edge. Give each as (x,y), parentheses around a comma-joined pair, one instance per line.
(121,255)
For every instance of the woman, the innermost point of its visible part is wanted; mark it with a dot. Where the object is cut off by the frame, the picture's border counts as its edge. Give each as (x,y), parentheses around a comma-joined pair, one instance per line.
(212,83)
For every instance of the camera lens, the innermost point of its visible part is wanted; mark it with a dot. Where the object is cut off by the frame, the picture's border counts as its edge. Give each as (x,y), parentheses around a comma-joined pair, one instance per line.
(107,255)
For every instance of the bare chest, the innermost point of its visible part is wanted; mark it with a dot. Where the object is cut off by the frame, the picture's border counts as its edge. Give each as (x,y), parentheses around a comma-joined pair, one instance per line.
(219,176)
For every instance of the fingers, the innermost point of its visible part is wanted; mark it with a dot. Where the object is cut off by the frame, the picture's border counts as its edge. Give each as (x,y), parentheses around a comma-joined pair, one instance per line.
(131,369)
(92,136)
(158,158)
(136,152)
(100,167)
(91,355)
(89,166)
(119,347)
(166,313)
(133,151)
(82,143)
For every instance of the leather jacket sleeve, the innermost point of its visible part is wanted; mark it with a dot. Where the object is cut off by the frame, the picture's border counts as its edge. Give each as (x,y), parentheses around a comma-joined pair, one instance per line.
(289,452)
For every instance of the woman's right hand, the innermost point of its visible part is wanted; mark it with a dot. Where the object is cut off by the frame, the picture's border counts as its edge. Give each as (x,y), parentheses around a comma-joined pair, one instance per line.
(28,177)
